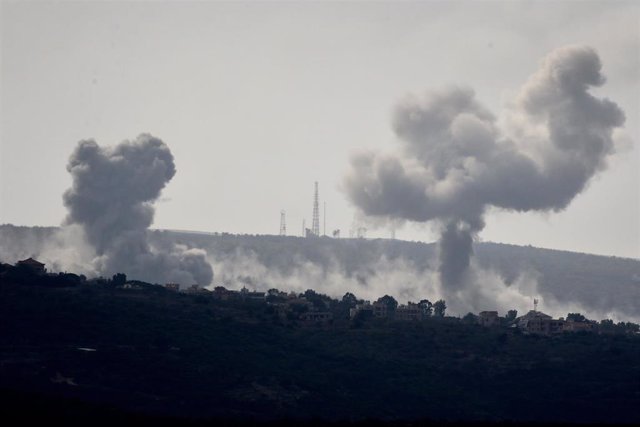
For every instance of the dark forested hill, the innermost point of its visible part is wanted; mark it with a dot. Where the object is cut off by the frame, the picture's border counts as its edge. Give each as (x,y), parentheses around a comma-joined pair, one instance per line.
(155,352)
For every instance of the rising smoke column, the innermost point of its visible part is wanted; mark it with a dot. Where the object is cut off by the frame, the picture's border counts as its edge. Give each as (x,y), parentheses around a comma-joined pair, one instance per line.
(455,160)
(112,198)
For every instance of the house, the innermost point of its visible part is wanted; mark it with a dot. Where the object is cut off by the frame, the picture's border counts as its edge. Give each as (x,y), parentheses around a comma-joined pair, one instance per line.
(409,312)
(196,289)
(573,326)
(537,322)
(380,309)
(33,265)
(488,318)
(252,295)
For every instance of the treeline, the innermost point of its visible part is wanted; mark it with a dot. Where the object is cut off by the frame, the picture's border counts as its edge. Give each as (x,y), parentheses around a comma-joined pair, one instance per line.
(293,308)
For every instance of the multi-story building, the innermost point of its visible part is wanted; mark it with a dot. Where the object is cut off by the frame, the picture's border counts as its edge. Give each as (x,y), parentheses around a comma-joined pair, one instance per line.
(488,318)
(408,312)
(539,323)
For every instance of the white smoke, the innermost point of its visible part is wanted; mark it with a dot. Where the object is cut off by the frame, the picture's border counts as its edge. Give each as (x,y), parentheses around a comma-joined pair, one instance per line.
(399,277)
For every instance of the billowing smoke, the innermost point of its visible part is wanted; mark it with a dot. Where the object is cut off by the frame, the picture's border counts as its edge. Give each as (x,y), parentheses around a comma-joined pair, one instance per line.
(456,158)
(112,198)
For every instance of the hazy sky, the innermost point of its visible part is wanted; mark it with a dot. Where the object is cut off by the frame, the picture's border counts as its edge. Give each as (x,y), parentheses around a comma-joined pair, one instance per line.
(258,100)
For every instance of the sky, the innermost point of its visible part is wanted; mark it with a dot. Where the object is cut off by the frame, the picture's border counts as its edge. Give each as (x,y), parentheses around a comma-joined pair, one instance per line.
(258,100)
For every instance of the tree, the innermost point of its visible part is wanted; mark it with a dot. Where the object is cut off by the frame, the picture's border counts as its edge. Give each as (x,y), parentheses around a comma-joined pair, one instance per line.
(119,279)
(470,318)
(319,301)
(426,306)
(511,315)
(349,300)
(389,301)
(576,317)
(439,308)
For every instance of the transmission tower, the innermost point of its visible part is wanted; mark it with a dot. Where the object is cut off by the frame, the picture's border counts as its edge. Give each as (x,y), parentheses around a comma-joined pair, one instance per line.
(315,224)
(283,223)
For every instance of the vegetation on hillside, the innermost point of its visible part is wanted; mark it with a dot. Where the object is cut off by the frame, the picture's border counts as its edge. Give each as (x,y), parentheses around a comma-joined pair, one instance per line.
(149,350)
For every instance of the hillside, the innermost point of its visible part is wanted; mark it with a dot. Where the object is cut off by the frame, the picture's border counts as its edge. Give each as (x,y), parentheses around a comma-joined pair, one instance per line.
(596,285)
(86,351)
(592,283)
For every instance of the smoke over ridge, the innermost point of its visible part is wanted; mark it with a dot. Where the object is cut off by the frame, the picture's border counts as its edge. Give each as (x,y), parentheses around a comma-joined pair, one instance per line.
(563,282)
(455,158)
(111,200)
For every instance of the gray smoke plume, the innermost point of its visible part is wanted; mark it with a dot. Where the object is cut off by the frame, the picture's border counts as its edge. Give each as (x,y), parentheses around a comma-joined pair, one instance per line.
(112,200)
(456,158)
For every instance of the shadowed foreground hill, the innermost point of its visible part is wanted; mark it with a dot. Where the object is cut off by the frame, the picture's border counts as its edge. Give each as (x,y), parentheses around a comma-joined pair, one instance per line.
(154,352)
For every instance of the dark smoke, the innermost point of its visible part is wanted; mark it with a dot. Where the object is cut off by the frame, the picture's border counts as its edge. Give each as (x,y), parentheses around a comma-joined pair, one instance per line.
(454,252)
(456,158)
(112,198)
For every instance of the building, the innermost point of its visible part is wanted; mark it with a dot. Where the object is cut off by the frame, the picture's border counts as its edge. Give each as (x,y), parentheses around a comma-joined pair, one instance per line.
(488,318)
(196,289)
(380,309)
(252,295)
(572,326)
(33,265)
(537,322)
(409,312)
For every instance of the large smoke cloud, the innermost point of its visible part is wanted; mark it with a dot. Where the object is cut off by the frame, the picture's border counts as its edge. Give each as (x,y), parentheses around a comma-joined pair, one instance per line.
(456,158)
(112,200)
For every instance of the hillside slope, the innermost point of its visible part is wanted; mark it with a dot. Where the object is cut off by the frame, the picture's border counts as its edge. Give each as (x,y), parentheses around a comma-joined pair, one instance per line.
(152,351)
(565,281)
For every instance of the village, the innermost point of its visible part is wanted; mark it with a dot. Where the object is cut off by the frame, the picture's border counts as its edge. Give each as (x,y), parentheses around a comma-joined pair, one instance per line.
(314,309)
(75,336)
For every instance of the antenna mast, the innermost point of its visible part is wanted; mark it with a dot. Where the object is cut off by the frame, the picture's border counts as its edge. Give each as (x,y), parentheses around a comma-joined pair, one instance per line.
(283,223)
(315,224)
